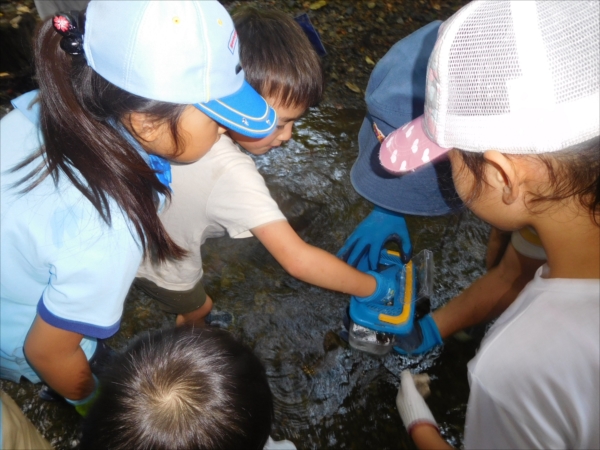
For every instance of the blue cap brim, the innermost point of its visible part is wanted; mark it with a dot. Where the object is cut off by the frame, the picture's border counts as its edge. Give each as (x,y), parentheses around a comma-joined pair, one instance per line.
(244,112)
(396,95)
(429,191)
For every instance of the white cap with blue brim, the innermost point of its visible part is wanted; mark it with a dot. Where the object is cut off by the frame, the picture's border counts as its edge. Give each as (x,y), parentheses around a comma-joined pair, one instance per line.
(182,52)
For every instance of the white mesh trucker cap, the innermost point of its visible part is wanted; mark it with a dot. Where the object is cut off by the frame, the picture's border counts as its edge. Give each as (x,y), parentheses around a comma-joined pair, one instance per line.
(520,77)
(183,52)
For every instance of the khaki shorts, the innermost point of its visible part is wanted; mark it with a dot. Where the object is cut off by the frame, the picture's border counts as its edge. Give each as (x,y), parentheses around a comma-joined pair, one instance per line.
(174,302)
(17,430)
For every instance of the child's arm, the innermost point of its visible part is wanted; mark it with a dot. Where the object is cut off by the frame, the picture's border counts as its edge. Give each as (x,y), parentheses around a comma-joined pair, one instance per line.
(426,437)
(311,264)
(489,295)
(59,360)
(482,301)
(416,415)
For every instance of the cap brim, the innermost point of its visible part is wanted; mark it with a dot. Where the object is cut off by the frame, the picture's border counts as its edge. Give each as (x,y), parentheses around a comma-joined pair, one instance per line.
(244,112)
(426,192)
(408,148)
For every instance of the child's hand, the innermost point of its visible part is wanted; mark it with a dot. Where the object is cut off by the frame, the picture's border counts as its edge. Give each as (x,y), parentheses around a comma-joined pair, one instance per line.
(424,336)
(387,285)
(364,245)
(410,403)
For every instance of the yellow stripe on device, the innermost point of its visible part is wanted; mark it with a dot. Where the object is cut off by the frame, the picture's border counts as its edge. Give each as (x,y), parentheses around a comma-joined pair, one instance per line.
(408,288)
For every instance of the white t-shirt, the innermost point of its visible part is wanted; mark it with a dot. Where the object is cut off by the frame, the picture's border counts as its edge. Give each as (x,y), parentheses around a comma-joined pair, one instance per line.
(222,193)
(535,381)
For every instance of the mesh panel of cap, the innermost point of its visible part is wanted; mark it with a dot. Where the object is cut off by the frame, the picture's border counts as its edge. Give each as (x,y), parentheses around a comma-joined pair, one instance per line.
(518,77)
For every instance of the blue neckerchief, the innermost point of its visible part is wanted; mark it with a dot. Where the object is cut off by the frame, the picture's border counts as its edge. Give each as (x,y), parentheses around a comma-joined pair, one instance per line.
(162,168)
(30,108)
(159,164)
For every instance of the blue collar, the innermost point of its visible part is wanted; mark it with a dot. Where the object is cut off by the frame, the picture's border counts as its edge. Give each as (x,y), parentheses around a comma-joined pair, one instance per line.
(28,105)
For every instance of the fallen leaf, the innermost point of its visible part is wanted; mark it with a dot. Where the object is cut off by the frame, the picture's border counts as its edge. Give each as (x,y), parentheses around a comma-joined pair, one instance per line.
(353,87)
(14,22)
(369,61)
(317,5)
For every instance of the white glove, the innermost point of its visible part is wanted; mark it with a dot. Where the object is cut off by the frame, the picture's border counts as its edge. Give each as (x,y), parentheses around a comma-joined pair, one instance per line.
(279,445)
(411,405)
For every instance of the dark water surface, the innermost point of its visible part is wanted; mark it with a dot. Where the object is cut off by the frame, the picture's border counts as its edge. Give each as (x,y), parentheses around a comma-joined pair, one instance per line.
(326,394)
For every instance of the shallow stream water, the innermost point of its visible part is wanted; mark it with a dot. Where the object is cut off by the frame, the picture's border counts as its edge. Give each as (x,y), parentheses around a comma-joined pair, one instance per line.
(327,395)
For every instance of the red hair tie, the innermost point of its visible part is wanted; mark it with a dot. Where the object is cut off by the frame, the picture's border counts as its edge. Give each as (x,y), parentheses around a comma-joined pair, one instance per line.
(66,24)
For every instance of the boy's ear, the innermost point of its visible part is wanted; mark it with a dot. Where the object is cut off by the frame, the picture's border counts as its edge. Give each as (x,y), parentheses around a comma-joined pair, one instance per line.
(503,175)
(143,126)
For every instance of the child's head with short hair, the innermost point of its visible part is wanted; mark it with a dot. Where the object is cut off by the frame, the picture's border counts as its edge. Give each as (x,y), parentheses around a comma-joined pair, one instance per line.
(182,388)
(281,64)
(513,89)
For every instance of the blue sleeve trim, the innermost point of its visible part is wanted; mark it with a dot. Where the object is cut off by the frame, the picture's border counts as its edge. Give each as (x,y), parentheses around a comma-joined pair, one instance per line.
(78,327)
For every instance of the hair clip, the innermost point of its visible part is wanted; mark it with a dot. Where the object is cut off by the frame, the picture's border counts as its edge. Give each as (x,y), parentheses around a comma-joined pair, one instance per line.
(66,25)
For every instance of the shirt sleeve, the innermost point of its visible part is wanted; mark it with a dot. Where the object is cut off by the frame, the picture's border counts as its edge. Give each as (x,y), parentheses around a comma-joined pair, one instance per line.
(241,200)
(91,267)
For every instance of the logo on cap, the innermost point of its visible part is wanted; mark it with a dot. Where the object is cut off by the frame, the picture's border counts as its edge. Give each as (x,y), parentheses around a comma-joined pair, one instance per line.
(232,41)
(378,133)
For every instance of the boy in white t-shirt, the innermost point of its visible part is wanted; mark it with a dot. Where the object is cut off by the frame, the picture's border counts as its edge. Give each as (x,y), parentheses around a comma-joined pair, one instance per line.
(223,193)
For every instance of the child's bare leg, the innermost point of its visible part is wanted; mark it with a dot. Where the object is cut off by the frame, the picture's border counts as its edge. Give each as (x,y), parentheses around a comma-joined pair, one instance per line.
(197,316)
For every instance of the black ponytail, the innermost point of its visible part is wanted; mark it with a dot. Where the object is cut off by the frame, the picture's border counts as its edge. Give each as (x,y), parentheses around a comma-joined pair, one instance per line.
(77,109)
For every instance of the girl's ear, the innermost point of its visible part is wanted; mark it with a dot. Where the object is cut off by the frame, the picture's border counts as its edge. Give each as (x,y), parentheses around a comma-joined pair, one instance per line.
(143,126)
(503,175)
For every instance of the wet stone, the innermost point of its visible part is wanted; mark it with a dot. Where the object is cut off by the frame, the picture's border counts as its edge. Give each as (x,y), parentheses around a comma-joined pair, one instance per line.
(332,340)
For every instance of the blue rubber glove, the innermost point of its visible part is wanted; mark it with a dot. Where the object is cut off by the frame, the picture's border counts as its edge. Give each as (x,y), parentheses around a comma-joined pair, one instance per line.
(364,245)
(83,406)
(423,337)
(387,285)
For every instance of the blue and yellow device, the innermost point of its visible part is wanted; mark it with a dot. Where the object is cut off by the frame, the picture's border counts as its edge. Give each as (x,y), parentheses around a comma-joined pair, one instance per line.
(375,325)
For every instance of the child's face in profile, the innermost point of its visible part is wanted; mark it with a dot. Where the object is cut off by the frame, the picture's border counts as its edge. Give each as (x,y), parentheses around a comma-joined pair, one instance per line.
(198,134)
(286,116)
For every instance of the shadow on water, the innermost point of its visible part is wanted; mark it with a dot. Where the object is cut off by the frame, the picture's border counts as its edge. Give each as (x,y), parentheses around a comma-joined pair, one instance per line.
(326,394)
